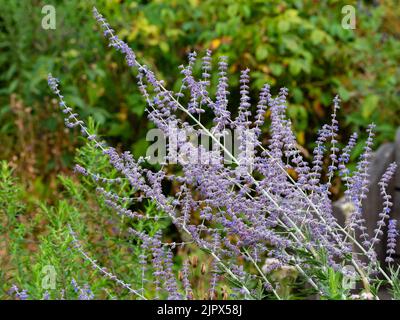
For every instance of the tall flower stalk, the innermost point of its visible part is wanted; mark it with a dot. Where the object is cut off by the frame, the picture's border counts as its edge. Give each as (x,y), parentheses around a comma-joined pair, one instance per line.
(250,213)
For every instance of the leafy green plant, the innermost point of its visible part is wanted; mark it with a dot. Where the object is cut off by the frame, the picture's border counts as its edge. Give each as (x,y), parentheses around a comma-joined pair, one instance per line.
(297,44)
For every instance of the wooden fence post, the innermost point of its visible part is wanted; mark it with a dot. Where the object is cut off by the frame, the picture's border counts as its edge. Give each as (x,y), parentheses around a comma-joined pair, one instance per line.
(372,205)
(396,195)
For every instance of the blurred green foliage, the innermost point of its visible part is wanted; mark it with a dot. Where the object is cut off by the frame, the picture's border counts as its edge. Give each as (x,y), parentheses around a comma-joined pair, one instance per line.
(35,236)
(297,44)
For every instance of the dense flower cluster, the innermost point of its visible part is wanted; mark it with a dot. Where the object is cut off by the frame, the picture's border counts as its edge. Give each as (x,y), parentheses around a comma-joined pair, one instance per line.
(20,294)
(392,239)
(278,211)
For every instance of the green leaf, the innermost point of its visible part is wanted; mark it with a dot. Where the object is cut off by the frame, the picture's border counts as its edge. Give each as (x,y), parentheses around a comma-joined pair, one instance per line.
(164,46)
(13,85)
(276,69)
(295,66)
(261,52)
(343,93)
(283,26)
(369,106)
(136,104)
(317,36)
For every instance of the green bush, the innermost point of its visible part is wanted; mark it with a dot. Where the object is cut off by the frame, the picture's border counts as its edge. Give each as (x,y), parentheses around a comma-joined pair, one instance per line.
(35,240)
(297,44)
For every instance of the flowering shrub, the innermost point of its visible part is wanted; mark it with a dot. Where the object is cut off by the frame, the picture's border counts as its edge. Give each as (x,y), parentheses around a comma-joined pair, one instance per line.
(265,219)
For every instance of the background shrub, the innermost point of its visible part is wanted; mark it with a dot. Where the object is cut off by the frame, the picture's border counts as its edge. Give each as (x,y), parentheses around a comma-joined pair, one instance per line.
(297,44)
